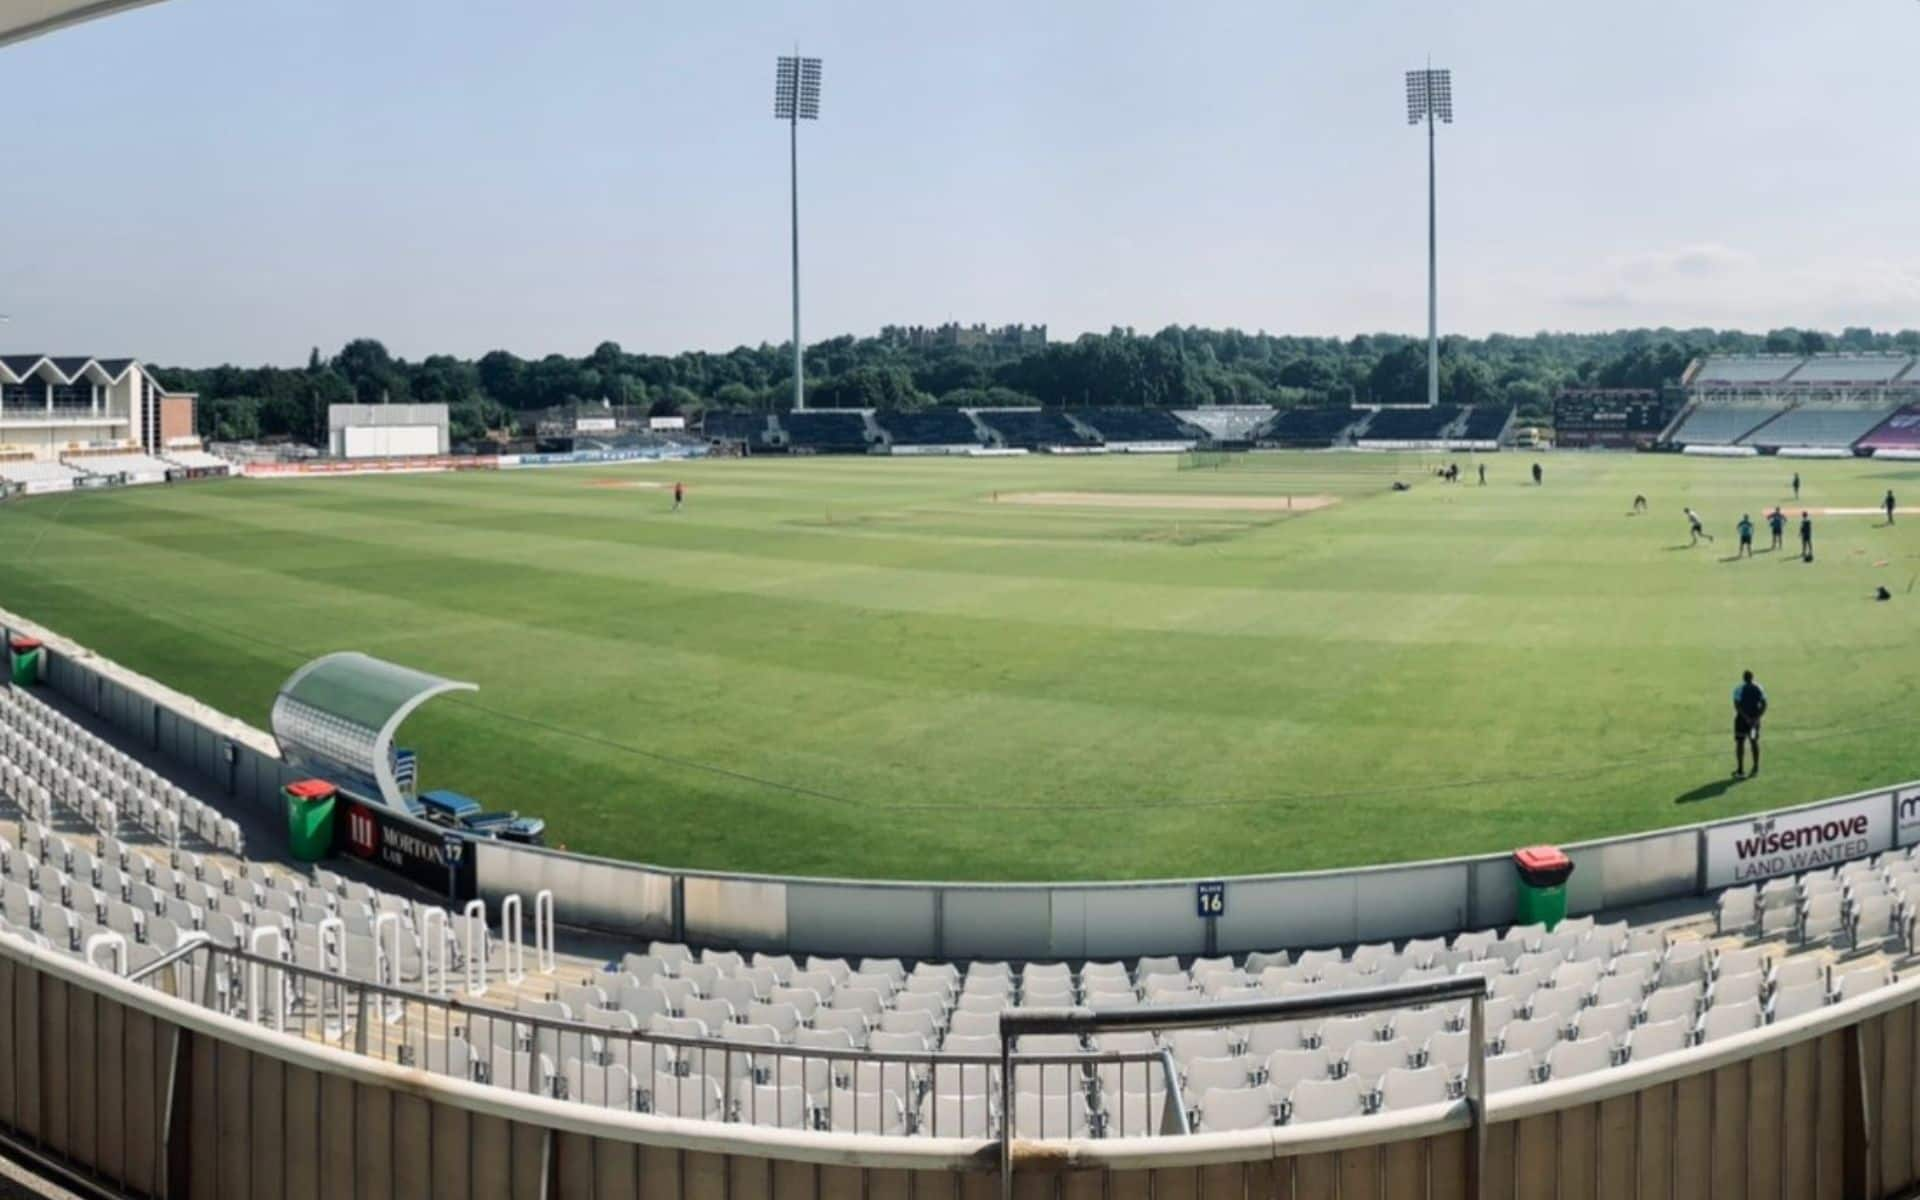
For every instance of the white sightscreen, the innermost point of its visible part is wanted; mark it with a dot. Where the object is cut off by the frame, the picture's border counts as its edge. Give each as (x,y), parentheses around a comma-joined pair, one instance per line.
(390,441)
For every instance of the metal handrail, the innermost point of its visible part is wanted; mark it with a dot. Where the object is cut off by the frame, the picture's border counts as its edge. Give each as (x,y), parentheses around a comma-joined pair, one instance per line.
(1080,1020)
(188,944)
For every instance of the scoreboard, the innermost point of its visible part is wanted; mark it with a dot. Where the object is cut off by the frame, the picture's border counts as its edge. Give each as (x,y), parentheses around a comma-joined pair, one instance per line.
(1609,416)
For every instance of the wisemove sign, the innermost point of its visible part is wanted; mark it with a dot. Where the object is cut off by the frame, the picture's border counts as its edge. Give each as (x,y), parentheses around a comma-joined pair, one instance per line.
(1783,843)
(426,854)
(1906,814)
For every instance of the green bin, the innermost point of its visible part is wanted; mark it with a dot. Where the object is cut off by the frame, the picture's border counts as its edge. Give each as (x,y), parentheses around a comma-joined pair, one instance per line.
(310,818)
(26,653)
(1542,898)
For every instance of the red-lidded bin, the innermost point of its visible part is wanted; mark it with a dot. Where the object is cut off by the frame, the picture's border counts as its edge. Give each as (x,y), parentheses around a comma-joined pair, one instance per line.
(309,818)
(25,654)
(1543,885)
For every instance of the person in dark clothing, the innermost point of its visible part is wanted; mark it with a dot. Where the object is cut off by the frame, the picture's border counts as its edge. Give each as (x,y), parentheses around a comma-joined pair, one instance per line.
(1538,475)
(1483,474)
(1888,505)
(1749,705)
(1806,538)
(1796,485)
(1777,524)
(679,495)
(1639,504)
(1746,536)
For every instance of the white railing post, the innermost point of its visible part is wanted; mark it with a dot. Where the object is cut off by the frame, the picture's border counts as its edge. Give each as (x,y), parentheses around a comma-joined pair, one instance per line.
(434,940)
(333,961)
(476,914)
(261,978)
(110,940)
(545,960)
(513,955)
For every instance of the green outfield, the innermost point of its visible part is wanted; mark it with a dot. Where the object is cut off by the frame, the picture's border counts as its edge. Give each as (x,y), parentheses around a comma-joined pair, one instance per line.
(918,668)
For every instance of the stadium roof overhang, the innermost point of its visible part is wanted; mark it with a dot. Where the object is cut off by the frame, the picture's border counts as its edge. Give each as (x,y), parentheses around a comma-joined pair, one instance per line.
(335,718)
(23,19)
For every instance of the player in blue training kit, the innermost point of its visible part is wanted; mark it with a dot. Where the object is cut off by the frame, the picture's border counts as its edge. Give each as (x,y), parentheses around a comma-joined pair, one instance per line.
(1749,705)
(1746,536)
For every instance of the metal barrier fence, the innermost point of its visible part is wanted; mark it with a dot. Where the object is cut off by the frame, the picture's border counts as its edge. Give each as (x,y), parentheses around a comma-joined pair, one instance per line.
(1087,1021)
(841,1090)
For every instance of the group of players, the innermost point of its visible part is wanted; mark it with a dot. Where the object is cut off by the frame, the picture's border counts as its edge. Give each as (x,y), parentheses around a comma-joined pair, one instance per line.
(1776,524)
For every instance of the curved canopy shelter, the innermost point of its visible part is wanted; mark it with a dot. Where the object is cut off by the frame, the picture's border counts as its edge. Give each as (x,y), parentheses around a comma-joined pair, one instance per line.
(336,717)
(22,19)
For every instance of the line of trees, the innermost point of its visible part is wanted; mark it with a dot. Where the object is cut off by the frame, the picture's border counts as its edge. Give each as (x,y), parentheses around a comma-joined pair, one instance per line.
(1174,368)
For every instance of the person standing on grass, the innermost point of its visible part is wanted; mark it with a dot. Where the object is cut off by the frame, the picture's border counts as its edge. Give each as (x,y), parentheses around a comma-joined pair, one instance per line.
(1746,536)
(1749,705)
(1639,504)
(1539,476)
(1483,474)
(1777,522)
(1888,505)
(1696,529)
(1796,485)
(679,494)
(1806,538)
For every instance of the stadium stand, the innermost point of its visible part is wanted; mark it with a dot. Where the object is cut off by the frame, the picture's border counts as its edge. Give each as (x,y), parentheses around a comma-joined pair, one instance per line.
(1860,369)
(929,427)
(38,476)
(1898,434)
(1745,369)
(134,468)
(1722,424)
(1836,426)
(821,431)
(1033,428)
(1486,423)
(1229,424)
(198,460)
(1411,424)
(736,426)
(879,1045)
(1153,426)
(1311,428)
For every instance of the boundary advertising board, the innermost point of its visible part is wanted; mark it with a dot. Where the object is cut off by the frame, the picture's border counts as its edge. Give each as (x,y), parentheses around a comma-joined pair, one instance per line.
(1762,847)
(437,859)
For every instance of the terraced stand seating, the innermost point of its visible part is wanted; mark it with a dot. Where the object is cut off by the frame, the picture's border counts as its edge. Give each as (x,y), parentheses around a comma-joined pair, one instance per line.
(1746,369)
(1486,423)
(736,426)
(37,476)
(880,1045)
(1310,428)
(1859,369)
(1411,424)
(137,468)
(198,460)
(929,427)
(1033,428)
(826,432)
(1836,426)
(1151,425)
(1723,424)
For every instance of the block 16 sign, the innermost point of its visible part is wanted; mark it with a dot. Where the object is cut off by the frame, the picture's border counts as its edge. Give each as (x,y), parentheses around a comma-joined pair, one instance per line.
(1211,898)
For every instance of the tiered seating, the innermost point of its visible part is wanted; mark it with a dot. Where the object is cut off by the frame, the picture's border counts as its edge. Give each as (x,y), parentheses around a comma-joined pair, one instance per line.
(1135,425)
(1228,423)
(826,432)
(39,475)
(929,427)
(1865,369)
(882,1046)
(736,426)
(1486,423)
(138,468)
(1830,425)
(1722,424)
(1033,428)
(1758,368)
(198,460)
(1411,424)
(1310,426)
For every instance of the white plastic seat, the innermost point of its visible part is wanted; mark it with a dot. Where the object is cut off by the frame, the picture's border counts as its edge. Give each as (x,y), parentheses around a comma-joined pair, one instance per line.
(1797,1001)
(1796,970)
(1221,1109)
(1568,1060)
(1742,960)
(1189,1044)
(775,1106)
(1558,1005)
(1604,1020)
(1672,1003)
(1658,1038)
(1368,1061)
(1325,1100)
(949,1114)
(1337,1034)
(1512,1070)
(1284,1068)
(1736,989)
(1725,1020)
(1858,981)
(1052,1115)
(1203,1074)
(1406,1087)
(607,1087)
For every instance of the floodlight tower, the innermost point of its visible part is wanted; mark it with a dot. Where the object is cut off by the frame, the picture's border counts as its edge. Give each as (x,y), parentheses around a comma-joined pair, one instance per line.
(796,98)
(1430,98)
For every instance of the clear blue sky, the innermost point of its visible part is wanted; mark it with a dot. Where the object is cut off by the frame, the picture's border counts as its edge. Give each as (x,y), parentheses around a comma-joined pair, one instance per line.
(210,180)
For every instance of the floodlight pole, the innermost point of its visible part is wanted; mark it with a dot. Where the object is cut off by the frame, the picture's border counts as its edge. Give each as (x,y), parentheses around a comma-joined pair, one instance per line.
(1433,287)
(793,178)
